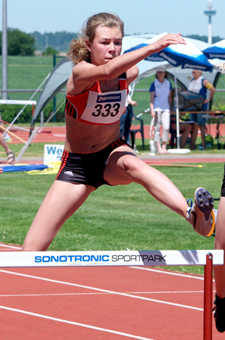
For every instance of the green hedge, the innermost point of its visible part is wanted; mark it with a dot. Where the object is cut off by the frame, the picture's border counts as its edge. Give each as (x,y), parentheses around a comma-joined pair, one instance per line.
(9,112)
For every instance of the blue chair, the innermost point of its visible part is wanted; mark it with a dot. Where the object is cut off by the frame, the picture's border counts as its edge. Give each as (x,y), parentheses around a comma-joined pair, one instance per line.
(140,129)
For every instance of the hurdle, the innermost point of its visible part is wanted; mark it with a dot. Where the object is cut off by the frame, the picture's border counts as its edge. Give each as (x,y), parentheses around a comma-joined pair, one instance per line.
(18,102)
(206,258)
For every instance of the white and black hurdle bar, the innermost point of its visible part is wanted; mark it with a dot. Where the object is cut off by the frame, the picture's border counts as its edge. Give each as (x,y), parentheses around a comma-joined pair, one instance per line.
(206,258)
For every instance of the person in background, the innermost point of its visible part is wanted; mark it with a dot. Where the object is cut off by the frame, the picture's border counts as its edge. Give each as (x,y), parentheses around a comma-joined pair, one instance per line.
(187,128)
(200,85)
(126,119)
(6,136)
(9,152)
(160,102)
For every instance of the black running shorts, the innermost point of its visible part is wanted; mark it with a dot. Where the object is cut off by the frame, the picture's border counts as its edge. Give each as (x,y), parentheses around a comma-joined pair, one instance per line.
(86,168)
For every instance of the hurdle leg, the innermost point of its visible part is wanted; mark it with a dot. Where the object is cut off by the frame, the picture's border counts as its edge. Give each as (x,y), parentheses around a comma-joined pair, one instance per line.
(207,322)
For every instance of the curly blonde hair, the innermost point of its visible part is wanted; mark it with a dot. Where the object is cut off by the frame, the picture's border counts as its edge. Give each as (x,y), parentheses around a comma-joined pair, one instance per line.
(78,50)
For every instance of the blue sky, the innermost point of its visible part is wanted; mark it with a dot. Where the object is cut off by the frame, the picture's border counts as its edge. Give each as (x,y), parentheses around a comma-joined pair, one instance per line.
(139,16)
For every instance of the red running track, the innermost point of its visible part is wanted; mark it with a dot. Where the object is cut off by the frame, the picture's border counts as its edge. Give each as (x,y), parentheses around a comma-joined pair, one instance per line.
(100,303)
(44,135)
(57,134)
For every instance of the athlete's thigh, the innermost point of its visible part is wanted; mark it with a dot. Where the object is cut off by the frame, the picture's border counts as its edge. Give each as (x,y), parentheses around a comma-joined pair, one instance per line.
(67,197)
(115,172)
(61,201)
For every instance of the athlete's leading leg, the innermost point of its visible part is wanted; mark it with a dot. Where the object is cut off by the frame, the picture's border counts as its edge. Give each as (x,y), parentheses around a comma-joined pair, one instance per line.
(124,167)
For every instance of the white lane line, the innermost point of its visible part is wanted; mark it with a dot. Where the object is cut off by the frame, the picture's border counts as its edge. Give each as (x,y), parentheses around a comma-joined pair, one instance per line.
(58,135)
(9,246)
(84,294)
(74,323)
(169,273)
(102,290)
(52,294)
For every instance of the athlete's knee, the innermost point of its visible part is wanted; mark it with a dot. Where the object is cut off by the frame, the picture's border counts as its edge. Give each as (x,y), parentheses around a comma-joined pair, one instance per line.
(133,165)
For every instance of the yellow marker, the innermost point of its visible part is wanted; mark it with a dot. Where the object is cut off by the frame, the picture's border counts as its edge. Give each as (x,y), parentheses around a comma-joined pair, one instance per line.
(213,218)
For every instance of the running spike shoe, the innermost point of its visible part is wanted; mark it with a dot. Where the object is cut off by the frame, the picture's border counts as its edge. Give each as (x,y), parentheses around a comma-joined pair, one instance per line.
(219,314)
(199,214)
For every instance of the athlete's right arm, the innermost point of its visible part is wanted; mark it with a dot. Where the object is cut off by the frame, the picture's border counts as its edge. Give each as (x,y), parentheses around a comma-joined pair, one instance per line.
(84,74)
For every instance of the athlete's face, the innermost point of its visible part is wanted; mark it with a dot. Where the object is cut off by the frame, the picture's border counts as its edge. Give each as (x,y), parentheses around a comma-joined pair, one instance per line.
(107,44)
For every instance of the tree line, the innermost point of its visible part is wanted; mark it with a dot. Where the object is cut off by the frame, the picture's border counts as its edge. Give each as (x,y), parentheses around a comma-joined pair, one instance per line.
(204,38)
(25,44)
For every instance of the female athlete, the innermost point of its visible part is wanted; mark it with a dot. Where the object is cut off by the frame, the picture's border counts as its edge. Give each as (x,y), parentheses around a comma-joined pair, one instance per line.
(94,153)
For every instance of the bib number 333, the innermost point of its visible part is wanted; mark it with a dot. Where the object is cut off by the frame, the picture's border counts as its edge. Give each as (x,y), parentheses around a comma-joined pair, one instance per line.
(105,108)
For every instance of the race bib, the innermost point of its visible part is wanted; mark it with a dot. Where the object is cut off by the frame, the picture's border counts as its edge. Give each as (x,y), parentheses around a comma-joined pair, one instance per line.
(105,108)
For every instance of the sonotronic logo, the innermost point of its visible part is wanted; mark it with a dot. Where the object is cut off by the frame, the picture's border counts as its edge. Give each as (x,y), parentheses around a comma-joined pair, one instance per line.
(71,258)
(110,258)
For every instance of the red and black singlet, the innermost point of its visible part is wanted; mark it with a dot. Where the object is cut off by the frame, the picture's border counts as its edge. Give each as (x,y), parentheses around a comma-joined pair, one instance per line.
(94,107)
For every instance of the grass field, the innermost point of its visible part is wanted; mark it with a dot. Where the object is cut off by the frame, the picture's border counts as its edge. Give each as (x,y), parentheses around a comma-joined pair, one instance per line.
(112,218)
(27,73)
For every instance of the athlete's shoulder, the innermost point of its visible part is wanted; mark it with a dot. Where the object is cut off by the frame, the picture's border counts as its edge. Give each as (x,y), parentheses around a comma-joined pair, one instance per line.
(81,66)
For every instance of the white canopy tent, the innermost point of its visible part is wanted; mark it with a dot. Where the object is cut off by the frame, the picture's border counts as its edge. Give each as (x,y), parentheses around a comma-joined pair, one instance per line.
(60,74)
(148,68)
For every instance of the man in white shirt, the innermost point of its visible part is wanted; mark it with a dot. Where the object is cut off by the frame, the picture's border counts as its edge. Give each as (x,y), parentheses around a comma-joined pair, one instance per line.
(200,85)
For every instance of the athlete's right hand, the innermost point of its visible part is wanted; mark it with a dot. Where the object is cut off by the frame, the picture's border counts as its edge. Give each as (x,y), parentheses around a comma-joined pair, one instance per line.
(167,40)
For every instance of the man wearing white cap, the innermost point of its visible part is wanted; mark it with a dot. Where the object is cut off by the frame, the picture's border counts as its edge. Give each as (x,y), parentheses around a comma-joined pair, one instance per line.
(160,100)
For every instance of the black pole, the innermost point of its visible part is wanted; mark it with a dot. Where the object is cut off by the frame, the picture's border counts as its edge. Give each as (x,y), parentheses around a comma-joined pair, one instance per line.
(4,51)
(54,99)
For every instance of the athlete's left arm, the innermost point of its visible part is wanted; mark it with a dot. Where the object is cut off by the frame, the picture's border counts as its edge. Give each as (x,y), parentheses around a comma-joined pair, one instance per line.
(211,88)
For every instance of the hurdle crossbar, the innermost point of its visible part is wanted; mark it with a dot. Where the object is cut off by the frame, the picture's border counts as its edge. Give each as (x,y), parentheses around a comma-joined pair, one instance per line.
(206,258)
(109,258)
(17,102)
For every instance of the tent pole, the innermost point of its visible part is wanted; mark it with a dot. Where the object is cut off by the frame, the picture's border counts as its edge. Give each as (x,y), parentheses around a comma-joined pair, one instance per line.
(177,111)
(27,144)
